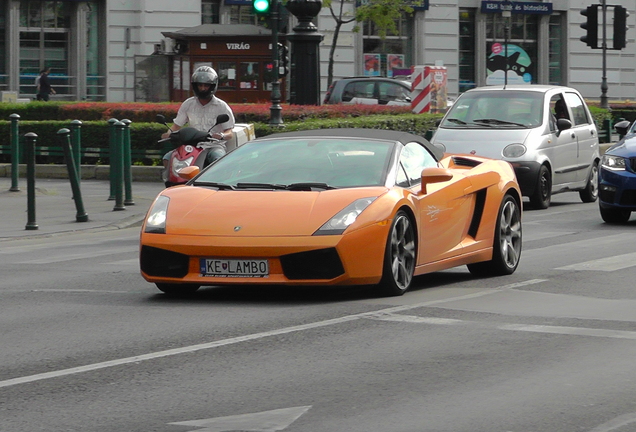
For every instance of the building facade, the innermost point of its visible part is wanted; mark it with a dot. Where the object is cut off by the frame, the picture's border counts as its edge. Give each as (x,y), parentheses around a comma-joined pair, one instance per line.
(95,47)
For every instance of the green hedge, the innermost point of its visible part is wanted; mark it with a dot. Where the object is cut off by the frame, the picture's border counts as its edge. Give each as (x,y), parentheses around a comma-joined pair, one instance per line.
(145,136)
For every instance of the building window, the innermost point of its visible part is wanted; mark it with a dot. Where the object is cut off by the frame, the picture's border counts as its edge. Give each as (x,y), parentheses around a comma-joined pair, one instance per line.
(555,36)
(210,12)
(467,77)
(516,55)
(242,14)
(391,55)
(44,42)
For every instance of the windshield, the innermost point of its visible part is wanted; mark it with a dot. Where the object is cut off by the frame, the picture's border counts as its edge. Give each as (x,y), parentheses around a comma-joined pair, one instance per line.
(496,109)
(302,164)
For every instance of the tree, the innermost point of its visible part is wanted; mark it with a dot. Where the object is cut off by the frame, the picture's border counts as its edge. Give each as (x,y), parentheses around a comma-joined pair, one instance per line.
(382,13)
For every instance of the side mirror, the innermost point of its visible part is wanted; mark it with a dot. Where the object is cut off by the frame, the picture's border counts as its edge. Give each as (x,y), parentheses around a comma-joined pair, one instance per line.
(622,127)
(563,124)
(433,175)
(189,172)
(161,119)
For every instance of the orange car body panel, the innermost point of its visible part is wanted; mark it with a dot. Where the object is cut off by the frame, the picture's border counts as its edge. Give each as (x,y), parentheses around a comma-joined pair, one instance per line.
(206,223)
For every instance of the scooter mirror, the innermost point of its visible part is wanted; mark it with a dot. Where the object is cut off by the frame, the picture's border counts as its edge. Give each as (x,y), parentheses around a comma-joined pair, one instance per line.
(161,119)
(222,119)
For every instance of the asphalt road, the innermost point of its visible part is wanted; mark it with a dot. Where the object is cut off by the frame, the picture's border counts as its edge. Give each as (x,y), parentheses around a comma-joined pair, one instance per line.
(88,345)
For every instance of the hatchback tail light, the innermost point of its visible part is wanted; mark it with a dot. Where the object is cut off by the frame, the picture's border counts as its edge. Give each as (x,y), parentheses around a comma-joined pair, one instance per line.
(328,94)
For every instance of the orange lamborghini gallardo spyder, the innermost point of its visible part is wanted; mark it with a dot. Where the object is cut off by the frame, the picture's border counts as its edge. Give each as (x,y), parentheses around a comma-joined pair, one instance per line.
(333,207)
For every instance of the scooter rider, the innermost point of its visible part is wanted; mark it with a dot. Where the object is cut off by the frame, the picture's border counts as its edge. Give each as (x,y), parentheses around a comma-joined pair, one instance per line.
(200,112)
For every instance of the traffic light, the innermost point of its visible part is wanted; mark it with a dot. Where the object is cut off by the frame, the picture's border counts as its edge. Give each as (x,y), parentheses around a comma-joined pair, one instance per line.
(620,27)
(261,7)
(283,60)
(590,26)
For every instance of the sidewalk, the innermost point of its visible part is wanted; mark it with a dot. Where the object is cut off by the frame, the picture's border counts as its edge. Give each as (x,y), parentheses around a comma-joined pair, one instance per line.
(56,212)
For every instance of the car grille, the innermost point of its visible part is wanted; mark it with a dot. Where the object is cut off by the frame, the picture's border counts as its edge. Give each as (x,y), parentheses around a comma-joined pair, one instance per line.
(632,164)
(607,196)
(316,264)
(160,262)
(628,197)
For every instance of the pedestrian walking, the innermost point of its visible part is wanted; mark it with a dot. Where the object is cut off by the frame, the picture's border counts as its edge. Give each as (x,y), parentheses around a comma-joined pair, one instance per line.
(44,85)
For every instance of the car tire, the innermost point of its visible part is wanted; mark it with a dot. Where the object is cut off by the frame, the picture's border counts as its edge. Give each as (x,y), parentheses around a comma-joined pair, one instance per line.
(177,290)
(399,256)
(543,191)
(590,193)
(615,215)
(507,242)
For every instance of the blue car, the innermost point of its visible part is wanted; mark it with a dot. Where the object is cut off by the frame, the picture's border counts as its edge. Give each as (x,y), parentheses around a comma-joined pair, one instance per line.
(617,177)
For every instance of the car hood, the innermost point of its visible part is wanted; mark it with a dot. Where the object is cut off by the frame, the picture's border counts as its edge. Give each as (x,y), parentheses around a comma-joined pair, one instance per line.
(244,213)
(625,147)
(488,143)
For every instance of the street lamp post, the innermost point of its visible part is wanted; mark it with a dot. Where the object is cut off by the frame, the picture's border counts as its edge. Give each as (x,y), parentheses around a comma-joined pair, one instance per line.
(506,14)
(275,111)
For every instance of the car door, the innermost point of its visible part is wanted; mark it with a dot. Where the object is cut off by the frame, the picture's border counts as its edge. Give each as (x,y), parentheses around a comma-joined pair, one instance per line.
(359,92)
(562,147)
(586,134)
(443,212)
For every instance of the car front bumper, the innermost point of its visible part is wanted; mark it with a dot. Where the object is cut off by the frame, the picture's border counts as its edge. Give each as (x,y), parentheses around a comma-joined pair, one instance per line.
(617,189)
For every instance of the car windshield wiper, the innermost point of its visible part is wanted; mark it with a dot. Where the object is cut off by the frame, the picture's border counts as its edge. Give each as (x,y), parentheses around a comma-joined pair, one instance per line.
(497,122)
(458,121)
(260,186)
(308,186)
(213,184)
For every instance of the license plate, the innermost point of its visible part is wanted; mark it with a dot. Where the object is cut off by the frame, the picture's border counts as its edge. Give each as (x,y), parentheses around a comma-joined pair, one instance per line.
(234,268)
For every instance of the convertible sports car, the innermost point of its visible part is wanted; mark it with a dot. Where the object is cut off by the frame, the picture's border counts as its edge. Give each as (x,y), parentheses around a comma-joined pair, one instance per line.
(333,207)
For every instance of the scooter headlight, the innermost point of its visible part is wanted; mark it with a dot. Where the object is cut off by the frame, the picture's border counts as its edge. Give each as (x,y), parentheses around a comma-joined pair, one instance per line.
(178,164)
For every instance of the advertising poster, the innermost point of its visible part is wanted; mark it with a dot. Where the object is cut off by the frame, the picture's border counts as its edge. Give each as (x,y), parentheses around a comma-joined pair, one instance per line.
(394,61)
(517,64)
(372,64)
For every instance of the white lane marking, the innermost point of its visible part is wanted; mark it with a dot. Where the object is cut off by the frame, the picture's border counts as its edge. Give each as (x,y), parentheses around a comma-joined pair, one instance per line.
(266,421)
(609,264)
(572,331)
(540,235)
(562,330)
(615,423)
(239,339)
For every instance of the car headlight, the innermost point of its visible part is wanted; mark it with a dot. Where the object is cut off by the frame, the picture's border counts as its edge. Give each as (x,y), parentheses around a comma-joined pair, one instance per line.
(156,219)
(614,163)
(177,164)
(345,217)
(514,150)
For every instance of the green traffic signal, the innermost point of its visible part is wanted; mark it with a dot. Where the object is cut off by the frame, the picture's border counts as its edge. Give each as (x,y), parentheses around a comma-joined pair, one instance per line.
(261,6)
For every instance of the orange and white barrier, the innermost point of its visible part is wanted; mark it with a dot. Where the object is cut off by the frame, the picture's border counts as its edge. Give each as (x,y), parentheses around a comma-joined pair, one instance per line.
(428,89)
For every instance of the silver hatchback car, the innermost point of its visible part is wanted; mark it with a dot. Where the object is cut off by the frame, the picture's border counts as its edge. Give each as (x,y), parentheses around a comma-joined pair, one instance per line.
(545,132)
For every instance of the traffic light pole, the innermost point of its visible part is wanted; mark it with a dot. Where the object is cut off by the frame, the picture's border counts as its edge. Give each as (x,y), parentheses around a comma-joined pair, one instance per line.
(275,115)
(604,86)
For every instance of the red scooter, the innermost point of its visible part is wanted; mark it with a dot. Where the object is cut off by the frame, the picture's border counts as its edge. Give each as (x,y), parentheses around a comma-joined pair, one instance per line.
(191,147)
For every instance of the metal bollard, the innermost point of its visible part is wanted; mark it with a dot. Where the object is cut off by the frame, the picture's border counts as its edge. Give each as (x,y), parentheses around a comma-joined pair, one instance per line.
(64,134)
(15,152)
(116,166)
(127,164)
(76,139)
(112,135)
(30,162)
